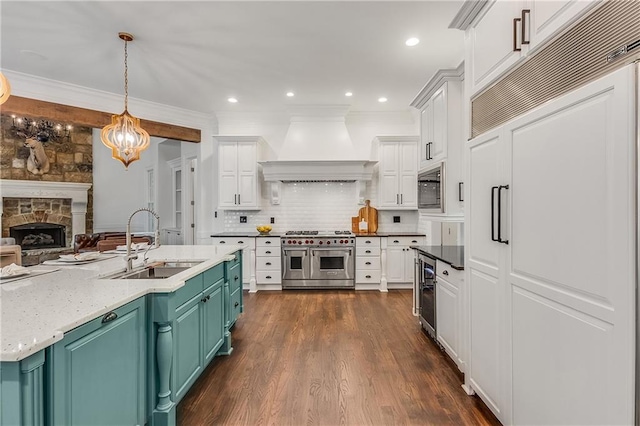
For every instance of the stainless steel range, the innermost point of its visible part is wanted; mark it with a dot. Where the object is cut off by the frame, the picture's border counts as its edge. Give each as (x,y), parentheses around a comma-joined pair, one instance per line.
(318,259)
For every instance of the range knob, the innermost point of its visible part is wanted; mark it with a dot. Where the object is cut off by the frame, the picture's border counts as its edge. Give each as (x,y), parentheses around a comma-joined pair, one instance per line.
(320,242)
(300,242)
(328,242)
(341,241)
(306,241)
(288,241)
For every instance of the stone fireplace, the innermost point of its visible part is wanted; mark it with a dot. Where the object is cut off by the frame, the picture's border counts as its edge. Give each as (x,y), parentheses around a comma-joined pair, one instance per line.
(43,211)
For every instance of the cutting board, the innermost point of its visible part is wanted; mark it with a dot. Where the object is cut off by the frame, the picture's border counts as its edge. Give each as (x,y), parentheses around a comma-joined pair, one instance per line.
(370,215)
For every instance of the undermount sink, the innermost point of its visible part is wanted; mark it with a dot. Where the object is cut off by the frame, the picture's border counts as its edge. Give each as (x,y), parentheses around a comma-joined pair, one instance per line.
(155,271)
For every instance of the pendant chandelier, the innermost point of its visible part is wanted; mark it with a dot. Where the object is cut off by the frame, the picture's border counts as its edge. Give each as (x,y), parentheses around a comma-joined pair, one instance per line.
(124,135)
(5,89)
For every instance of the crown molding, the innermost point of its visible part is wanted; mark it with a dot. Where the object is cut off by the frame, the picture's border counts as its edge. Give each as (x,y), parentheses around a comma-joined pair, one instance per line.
(441,76)
(34,87)
(467,14)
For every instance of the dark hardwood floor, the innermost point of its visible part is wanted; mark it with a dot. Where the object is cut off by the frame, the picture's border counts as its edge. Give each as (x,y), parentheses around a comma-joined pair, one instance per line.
(331,358)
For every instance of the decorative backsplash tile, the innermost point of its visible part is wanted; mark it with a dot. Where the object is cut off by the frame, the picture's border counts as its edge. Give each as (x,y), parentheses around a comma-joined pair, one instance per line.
(319,206)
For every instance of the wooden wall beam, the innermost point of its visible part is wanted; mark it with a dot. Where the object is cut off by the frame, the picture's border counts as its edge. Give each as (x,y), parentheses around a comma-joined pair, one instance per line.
(90,118)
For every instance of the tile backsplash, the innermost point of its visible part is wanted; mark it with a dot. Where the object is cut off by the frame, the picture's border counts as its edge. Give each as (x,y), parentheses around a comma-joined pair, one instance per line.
(316,206)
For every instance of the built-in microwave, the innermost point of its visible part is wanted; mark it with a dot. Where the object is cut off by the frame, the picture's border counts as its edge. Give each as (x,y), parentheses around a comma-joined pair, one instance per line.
(431,189)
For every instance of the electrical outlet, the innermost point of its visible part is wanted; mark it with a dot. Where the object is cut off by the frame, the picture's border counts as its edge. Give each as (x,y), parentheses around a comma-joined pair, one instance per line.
(243,219)
(273,220)
(396,219)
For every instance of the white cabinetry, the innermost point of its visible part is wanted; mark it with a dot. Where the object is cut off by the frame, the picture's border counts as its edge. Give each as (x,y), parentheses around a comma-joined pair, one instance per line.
(248,258)
(433,128)
(551,261)
(506,31)
(398,172)
(172,236)
(268,263)
(441,133)
(368,265)
(176,187)
(400,260)
(238,186)
(448,310)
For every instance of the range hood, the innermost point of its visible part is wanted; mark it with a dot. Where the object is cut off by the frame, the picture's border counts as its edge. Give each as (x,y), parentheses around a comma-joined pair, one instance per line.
(317,147)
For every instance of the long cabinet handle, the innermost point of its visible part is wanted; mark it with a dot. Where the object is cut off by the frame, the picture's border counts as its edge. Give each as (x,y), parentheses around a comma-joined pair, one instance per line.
(238,199)
(397,198)
(526,13)
(500,240)
(493,212)
(429,157)
(515,34)
(401,201)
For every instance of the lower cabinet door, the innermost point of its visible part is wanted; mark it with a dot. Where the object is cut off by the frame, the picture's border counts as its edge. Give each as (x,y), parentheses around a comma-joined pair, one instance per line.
(447,318)
(213,324)
(97,373)
(187,359)
(236,305)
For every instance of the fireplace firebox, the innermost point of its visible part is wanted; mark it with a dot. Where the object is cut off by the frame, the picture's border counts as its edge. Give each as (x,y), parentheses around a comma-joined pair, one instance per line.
(39,235)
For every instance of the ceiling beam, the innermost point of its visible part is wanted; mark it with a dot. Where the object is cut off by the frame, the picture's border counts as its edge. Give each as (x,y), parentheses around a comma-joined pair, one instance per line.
(90,118)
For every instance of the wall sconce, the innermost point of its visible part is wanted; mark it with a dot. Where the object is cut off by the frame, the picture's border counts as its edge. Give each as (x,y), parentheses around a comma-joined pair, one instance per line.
(42,130)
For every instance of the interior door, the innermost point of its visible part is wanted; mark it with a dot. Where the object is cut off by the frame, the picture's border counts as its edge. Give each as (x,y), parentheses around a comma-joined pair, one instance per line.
(573,256)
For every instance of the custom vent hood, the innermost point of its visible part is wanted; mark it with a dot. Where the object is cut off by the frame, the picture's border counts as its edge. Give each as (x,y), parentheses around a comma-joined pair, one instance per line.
(317,147)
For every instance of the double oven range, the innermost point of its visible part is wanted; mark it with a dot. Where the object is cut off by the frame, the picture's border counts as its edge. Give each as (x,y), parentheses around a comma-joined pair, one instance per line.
(318,259)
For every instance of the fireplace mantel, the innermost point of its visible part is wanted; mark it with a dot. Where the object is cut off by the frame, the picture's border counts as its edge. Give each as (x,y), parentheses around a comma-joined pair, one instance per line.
(77,192)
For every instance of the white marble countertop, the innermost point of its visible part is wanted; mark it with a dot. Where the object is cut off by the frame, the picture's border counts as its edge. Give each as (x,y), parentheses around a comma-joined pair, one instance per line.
(35,312)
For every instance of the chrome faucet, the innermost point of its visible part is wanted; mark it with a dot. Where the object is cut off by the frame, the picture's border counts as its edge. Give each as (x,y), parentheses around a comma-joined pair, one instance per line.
(156,240)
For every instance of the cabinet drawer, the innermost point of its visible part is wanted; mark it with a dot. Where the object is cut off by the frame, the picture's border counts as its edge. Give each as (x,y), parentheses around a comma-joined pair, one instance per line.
(267,251)
(192,287)
(267,264)
(268,242)
(268,277)
(368,242)
(367,251)
(372,277)
(236,259)
(250,242)
(367,263)
(454,276)
(405,241)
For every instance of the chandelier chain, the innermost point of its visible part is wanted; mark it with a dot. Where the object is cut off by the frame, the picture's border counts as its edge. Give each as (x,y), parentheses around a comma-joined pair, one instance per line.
(126,78)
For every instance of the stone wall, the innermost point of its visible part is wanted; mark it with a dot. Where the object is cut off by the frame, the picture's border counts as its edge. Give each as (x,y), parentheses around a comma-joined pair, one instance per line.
(70,158)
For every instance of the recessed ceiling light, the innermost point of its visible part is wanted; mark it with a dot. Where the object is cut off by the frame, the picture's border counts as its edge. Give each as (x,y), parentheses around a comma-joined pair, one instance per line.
(382,99)
(348,94)
(290,94)
(412,41)
(233,100)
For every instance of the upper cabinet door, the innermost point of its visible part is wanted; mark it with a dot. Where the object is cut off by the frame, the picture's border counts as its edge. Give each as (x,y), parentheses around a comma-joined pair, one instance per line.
(547,18)
(238,173)
(426,133)
(439,146)
(408,175)
(492,42)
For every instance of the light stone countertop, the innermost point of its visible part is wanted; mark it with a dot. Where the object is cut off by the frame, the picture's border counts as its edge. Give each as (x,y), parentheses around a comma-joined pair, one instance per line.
(35,312)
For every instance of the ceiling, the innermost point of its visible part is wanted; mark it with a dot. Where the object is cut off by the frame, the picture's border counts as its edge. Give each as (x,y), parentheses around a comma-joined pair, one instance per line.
(195,55)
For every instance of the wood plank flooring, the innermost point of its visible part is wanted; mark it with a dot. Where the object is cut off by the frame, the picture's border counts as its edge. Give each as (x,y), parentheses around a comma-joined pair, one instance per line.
(331,358)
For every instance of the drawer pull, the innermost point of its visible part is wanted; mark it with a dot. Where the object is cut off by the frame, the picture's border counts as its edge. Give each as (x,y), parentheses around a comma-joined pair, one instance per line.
(396,241)
(367,276)
(203,300)
(268,252)
(413,241)
(235,278)
(268,263)
(108,317)
(267,242)
(222,242)
(445,272)
(368,242)
(268,277)
(367,263)
(208,296)
(240,242)
(236,305)
(368,251)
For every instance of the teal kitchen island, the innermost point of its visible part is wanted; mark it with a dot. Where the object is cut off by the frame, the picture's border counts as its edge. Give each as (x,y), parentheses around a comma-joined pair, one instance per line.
(82,346)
